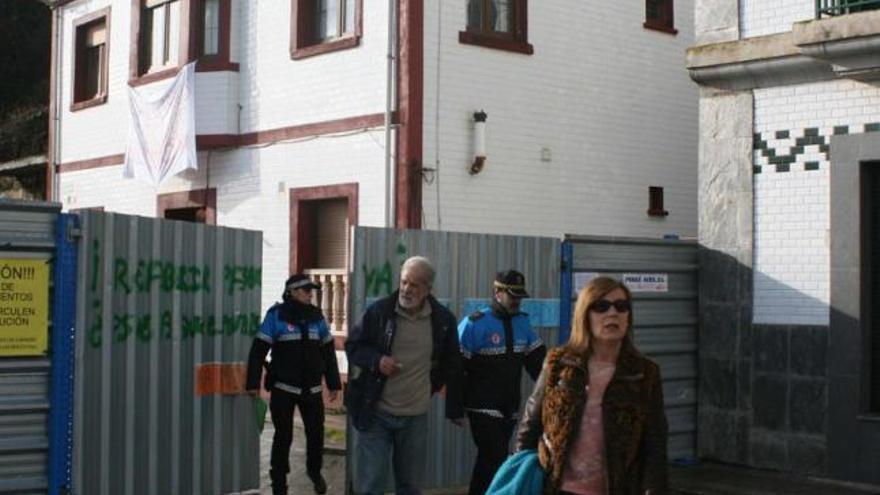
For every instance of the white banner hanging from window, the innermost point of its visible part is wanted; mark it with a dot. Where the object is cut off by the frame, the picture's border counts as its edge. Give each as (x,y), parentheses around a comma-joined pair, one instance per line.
(162,134)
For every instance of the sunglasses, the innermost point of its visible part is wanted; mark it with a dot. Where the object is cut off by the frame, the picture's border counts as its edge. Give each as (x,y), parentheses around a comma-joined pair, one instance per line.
(603,305)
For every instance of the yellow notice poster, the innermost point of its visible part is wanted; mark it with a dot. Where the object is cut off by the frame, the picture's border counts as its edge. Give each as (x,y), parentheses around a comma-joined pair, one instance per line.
(24,307)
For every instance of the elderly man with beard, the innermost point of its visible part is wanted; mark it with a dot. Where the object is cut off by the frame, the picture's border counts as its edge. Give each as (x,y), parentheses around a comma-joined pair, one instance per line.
(497,342)
(302,355)
(403,350)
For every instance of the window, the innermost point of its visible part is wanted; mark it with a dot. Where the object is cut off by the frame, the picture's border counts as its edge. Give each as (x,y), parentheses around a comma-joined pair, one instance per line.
(199,206)
(161,30)
(499,24)
(321,26)
(210,28)
(659,16)
(655,202)
(90,60)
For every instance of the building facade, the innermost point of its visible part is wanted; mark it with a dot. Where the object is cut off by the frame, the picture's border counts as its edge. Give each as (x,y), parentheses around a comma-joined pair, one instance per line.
(789,121)
(303,129)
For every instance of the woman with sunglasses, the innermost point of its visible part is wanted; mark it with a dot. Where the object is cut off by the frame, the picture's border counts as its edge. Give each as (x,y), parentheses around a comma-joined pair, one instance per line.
(596,414)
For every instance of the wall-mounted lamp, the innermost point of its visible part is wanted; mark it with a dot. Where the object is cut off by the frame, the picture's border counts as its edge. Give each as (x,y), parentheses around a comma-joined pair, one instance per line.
(479,143)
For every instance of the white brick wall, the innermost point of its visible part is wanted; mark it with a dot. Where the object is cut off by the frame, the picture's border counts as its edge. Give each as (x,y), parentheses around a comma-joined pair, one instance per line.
(609,99)
(247,183)
(763,17)
(792,208)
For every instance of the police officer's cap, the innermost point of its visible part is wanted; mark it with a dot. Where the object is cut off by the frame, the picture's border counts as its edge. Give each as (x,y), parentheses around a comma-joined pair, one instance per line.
(512,282)
(300,281)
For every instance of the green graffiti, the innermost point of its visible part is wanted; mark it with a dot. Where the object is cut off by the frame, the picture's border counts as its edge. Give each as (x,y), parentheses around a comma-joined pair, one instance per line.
(375,279)
(140,327)
(380,277)
(96,260)
(95,329)
(241,277)
(166,276)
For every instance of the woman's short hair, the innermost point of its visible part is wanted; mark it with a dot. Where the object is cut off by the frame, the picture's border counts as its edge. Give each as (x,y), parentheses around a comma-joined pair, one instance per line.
(595,290)
(423,265)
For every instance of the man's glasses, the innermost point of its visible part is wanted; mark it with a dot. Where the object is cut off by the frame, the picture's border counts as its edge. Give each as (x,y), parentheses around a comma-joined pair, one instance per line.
(603,305)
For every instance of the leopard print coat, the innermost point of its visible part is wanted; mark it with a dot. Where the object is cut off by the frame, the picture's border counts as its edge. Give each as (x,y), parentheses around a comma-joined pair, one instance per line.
(632,411)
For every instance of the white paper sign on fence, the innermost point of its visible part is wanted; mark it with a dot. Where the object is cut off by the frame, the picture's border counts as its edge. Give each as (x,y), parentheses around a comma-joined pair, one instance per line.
(647,282)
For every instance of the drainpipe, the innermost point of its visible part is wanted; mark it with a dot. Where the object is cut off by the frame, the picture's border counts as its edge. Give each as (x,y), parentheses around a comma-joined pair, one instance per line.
(53,157)
(390,99)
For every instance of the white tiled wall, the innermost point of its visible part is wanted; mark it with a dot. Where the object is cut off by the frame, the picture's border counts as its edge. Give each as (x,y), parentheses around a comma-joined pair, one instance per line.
(763,17)
(792,208)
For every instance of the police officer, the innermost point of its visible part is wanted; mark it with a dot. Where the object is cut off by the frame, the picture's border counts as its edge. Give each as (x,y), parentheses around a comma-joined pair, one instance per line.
(302,354)
(496,343)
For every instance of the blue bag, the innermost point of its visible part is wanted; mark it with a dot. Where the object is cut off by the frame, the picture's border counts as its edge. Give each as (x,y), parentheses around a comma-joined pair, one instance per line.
(521,474)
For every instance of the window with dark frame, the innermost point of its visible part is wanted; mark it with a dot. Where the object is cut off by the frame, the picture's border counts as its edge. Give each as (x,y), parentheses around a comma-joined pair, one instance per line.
(210,28)
(321,26)
(499,24)
(91,64)
(659,16)
(160,31)
(655,202)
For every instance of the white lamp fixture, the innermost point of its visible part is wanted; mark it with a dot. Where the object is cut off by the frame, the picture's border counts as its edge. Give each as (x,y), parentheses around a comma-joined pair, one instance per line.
(479,143)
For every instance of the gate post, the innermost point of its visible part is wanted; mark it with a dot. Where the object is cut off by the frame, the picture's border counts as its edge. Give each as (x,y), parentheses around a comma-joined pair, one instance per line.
(62,355)
(566,269)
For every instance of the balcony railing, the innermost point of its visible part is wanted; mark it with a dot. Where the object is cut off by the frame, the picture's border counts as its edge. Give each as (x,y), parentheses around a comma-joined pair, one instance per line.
(831,8)
(332,296)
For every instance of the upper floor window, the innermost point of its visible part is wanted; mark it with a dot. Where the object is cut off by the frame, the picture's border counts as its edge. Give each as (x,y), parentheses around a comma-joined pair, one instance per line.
(334,18)
(91,54)
(161,30)
(321,26)
(659,16)
(210,17)
(500,24)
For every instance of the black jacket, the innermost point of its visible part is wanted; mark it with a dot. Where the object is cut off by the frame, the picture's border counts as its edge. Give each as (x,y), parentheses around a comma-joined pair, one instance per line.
(302,350)
(371,339)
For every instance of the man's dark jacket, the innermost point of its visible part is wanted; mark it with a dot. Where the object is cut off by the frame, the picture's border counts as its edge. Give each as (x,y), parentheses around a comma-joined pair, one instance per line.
(372,338)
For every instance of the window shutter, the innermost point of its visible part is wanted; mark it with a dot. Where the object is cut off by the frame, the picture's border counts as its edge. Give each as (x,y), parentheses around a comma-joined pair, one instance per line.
(96,34)
(332,233)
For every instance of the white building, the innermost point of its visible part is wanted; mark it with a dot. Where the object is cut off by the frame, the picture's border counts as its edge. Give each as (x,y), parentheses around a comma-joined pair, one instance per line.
(789,121)
(588,108)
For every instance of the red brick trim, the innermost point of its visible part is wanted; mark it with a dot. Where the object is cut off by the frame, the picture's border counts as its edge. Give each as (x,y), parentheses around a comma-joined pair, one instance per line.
(300,45)
(410,92)
(153,77)
(206,198)
(218,141)
(81,105)
(104,161)
(657,27)
(301,251)
(313,129)
(498,43)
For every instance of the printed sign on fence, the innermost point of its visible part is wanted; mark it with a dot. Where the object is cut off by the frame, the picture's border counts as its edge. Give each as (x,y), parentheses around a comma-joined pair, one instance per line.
(24,307)
(647,282)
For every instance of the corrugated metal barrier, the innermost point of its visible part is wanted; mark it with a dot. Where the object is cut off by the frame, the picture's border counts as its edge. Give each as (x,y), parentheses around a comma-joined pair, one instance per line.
(166,314)
(466,265)
(27,236)
(662,275)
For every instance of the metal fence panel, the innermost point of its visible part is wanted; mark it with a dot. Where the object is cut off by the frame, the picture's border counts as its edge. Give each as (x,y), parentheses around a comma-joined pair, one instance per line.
(466,265)
(665,317)
(27,231)
(167,313)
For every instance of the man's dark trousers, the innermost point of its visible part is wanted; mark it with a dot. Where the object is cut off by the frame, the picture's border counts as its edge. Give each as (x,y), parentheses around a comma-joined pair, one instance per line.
(311,410)
(492,438)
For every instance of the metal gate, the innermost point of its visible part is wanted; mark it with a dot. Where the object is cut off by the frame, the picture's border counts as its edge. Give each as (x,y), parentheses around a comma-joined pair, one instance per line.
(34,374)
(466,265)
(662,275)
(167,311)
